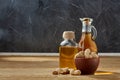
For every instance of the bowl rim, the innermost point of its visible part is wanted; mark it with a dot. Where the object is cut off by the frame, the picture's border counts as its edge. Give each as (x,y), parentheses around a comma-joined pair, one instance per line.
(87,58)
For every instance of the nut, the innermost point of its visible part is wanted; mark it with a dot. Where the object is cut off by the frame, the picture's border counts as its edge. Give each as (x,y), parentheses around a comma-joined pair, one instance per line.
(77,55)
(55,72)
(61,71)
(80,54)
(88,56)
(87,52)
(77,72)
(94,55)
(72,71)
(65,71)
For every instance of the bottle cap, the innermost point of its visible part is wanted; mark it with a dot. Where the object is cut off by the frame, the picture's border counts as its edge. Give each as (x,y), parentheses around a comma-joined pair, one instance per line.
(68,35)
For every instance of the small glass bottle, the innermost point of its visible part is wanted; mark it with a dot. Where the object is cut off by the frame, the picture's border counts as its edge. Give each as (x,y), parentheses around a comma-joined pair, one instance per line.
(68,49)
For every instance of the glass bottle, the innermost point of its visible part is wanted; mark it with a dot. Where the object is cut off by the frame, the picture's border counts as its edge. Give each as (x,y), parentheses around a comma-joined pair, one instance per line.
(88,39)
(67,50)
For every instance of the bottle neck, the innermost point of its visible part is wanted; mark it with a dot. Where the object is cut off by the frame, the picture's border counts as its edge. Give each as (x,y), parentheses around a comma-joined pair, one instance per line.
(68,42)
(86,33)
(69,39)
(86,28)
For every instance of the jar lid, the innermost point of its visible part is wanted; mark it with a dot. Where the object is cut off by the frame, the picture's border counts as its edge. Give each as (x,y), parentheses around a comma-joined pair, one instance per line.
(68,35)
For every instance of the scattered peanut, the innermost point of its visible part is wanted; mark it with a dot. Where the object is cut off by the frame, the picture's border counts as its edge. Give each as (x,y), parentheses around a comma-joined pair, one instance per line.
(72,71)
(77,72)
(65,71)
(55,72)
(61,71)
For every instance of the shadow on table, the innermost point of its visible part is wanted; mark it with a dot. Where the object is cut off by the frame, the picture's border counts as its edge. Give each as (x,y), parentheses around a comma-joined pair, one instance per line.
(106,75)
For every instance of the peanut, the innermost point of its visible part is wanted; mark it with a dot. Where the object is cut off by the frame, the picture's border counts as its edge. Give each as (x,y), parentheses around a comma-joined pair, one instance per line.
(75,72)
(61,71)
(87,52)
(94,55)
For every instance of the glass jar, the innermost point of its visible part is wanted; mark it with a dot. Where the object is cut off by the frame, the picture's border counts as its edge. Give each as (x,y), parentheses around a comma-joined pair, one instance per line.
(67,50)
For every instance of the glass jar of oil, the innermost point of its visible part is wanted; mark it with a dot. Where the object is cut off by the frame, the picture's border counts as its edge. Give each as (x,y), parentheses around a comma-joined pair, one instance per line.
(67,50)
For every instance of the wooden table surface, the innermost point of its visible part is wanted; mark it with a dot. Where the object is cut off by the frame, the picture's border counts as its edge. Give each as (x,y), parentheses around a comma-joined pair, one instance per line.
(40,68)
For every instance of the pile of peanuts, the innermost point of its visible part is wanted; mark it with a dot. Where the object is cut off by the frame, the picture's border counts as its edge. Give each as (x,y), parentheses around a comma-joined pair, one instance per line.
(86,54)
(65,71)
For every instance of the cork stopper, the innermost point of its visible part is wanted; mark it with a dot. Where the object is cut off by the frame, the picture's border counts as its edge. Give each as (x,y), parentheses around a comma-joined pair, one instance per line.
(68,35)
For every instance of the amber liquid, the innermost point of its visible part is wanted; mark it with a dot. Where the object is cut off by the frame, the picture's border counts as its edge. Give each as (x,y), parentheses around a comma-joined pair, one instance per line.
(66,58)
(86,41)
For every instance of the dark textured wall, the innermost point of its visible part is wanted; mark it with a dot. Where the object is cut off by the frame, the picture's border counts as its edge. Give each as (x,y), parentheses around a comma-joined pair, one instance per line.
(37,25)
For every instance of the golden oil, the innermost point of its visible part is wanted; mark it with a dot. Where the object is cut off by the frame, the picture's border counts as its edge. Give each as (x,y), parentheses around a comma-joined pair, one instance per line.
(66,57)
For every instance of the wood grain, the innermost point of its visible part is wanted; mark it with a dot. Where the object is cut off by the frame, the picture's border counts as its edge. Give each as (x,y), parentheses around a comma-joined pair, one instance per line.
(40,68)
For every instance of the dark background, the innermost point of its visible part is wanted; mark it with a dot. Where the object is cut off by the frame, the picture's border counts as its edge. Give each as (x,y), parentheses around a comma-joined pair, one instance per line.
(37,25)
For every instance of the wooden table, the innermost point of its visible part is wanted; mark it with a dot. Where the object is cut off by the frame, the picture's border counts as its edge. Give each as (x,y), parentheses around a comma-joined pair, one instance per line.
(41,67)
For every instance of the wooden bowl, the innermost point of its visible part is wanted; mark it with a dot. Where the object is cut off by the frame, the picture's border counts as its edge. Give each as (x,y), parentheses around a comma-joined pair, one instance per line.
(87,65)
